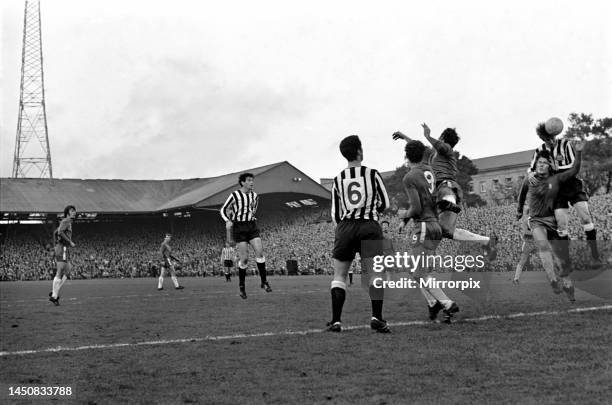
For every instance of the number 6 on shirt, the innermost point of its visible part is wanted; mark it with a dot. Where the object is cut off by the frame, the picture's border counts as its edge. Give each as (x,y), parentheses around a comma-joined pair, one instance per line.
(354,189)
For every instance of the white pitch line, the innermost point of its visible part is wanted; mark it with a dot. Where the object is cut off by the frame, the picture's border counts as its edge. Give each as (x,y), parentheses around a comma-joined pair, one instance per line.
(175,296)
(292,333)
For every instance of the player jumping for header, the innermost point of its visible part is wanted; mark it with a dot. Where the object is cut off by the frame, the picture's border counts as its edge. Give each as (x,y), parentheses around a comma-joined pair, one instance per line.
(562,158)
(448,193)
(419,184)
(242,205)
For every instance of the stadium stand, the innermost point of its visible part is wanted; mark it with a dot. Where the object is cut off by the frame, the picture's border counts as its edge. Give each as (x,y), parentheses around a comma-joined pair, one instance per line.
(122,223)
(129,248)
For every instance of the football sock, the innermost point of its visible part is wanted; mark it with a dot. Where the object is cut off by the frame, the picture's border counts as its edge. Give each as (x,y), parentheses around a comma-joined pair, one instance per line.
(175,281)
(261,267)
(548,264)
(561,250)
(61,284)
(567,282)
(439,295)
(377,296)
(377,306)
(241,276)
(591,236)
(447,303)
(519,270)
(431,300)
(160,281)
(522,262)
(462,234)
(338,295)
(56,286)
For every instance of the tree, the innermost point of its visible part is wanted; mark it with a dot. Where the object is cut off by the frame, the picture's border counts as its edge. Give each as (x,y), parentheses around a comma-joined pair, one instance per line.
(395,189)
(597,165)
(466,168)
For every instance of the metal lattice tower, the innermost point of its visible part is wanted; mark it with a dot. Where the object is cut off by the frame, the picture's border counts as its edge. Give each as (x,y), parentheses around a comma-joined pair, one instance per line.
(32,152)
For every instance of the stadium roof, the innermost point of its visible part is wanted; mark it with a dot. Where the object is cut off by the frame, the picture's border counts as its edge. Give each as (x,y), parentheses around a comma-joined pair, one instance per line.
(486,164)
(504,161)
(148,196)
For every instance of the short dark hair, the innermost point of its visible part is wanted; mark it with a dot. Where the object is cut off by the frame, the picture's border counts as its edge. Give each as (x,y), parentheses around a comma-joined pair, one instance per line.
(67,210)
(414,151)
(350,146)
(546,155)
(449,136)
(543,133)
(242,178)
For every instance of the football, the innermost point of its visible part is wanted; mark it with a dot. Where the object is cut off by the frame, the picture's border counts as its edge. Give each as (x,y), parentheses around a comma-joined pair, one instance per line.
(554,126)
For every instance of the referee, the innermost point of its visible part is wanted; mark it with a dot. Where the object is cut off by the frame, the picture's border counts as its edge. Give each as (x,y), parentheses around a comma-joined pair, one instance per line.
(241,205)
(358,196)
(571,192)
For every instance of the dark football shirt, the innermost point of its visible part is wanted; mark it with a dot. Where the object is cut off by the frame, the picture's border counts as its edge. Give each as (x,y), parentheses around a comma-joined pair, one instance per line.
(65,228)
(444,162)
(422,179)
(541,195)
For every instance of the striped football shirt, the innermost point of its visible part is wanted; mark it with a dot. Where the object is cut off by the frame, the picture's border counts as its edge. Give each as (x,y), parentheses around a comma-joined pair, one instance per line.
(240,206)
(358,193)
(227,253)
(562,153)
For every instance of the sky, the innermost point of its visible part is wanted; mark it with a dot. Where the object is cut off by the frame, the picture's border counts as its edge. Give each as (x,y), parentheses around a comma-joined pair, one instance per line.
(186,89)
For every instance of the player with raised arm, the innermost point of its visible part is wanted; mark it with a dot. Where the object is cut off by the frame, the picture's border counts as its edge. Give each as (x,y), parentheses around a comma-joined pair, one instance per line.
(541,193)
(419,184)
(62,238)
(166,251)
(448,193)
(572,192)
(358,197)
(241,205)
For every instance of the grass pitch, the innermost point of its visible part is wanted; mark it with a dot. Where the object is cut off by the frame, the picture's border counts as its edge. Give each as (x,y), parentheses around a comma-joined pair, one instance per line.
(122,341)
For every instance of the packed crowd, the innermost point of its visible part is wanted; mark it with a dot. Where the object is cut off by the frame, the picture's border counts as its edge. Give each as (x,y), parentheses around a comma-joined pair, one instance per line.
(131,249)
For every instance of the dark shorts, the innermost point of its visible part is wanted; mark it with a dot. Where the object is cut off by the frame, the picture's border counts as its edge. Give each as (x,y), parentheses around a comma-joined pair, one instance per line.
(61,253)
(548,223)
(528,244)
(446,187)
(349,235)
(570,192)
(426,237)
(228,263)
(64,267)
(245,231)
